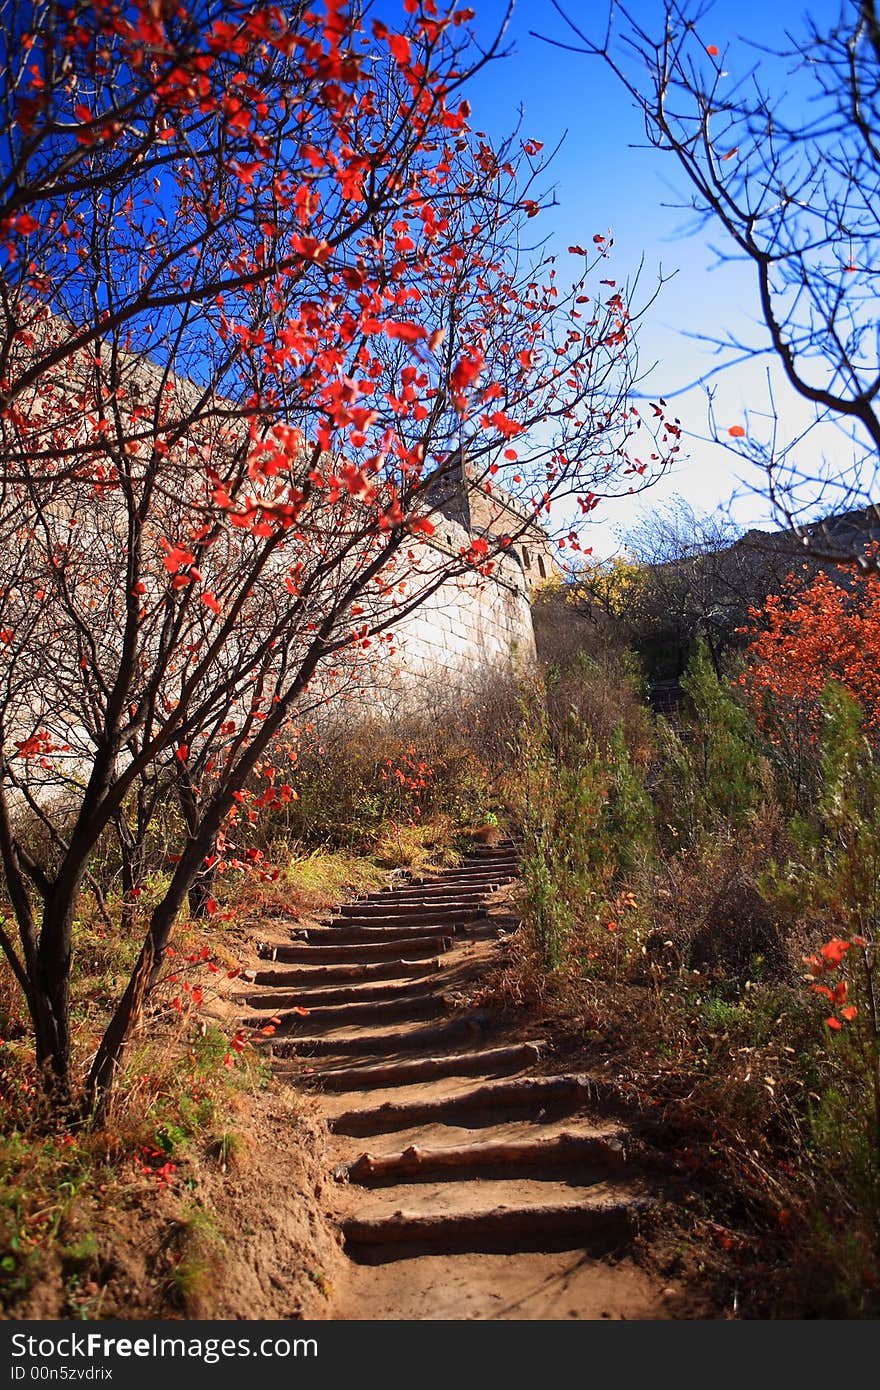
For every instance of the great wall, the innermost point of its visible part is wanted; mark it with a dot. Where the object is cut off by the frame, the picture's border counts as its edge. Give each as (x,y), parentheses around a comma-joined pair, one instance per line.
(474,623)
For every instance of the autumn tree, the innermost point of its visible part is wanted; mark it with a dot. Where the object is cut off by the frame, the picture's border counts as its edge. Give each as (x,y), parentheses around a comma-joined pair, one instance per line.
(807,635)
(779,153)
(588,609)
(261,284)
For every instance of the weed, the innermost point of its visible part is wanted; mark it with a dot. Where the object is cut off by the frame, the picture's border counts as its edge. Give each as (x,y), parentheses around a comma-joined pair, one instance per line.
(321,1282)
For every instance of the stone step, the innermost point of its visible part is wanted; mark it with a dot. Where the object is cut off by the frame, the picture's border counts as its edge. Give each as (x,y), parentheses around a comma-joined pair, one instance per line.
(452,1194)
(464,905)
(599,1152)
(460,1031)
(571,1090)
(474,866)
(491,927)
(337,974)
(349,932)
(488,880)
(411,1006)
(412,947)
(486,889)
(482,1063)
(484,854)
(388,913)
(338,994)
(464,925)
(595,1226)
(403,890)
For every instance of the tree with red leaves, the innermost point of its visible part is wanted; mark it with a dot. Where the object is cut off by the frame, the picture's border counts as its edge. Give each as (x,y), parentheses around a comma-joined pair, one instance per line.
(828,629)
(261,285)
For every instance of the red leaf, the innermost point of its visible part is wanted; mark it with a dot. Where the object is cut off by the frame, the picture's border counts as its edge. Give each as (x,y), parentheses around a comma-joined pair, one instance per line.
(466,371)
(401,48)
(737,432)
(406,332)
(504,425)
(177,557)
(833,952)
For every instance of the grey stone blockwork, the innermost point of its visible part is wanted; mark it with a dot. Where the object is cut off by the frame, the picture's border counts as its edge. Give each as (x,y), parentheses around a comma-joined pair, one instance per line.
(470,626)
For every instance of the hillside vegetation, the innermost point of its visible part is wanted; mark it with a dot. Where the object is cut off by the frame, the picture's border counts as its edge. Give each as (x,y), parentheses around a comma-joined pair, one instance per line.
(699,898)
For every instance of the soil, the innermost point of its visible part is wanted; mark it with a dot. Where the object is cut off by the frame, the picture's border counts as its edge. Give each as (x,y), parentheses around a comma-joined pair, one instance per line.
(267,1251)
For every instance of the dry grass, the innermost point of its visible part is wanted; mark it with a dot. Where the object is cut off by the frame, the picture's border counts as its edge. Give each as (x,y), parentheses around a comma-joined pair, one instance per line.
(421,846)
(115,1218)
(308,881)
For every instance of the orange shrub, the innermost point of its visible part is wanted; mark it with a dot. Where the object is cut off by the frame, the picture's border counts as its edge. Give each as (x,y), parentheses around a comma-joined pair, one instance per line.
(808,635)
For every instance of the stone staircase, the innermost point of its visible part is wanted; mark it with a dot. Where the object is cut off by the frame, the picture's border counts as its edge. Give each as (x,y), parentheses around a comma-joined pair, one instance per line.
(476,1142)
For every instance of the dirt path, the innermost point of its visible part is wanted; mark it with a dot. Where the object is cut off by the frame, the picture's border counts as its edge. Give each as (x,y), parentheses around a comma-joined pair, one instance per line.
(472,1179)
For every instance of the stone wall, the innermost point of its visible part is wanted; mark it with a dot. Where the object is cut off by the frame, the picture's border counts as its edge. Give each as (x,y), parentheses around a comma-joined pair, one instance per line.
(470,627)
(483,508)
(495,513)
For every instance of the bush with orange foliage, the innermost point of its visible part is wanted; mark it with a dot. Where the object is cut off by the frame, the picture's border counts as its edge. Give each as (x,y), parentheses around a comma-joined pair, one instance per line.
(808,635)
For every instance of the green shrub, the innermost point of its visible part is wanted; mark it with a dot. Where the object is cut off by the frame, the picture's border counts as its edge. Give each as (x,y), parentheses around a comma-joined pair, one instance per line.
(714,771)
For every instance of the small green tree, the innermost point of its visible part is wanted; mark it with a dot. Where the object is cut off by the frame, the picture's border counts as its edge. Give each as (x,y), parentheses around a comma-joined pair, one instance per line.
(587,819)
(713,772)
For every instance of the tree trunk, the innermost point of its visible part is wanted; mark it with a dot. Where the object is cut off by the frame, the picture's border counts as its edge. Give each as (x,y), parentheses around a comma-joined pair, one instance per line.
(200,892)
(203,836)
(50,1005)
(149,963)
(201,888)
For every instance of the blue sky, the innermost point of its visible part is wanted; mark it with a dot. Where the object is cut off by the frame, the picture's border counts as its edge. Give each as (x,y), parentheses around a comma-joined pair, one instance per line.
(602,181)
